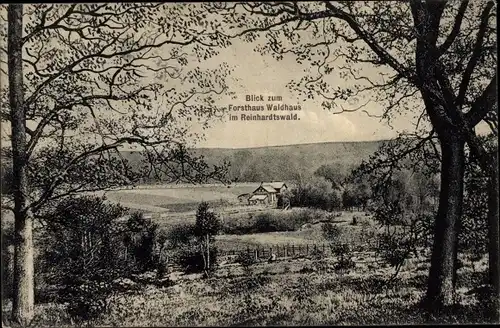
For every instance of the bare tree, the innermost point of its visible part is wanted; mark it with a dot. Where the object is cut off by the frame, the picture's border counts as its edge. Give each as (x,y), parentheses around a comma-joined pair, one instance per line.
(435,60)
(87,81)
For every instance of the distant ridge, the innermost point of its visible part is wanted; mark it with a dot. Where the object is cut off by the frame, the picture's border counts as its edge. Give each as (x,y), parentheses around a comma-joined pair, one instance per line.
(280,162)
(291,145)
(283,162)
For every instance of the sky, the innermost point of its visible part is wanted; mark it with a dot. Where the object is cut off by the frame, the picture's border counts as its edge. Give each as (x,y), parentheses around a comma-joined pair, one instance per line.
(257,74)
(261,75)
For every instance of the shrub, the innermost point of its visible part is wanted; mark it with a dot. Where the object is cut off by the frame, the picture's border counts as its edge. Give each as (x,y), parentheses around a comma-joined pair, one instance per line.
(140,238)
(246,259)
(331,232)
(84,247)
(192,260)
(87,300)
(344,257)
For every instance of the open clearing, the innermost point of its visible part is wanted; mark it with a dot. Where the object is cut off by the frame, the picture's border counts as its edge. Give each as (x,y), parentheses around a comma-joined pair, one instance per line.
(165,198)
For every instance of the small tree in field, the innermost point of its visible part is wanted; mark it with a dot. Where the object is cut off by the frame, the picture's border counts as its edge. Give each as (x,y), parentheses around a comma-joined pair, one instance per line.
(207,225)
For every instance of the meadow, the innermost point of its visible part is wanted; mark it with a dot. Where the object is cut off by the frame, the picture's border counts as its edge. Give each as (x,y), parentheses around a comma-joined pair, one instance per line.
(301,289)
(293,292)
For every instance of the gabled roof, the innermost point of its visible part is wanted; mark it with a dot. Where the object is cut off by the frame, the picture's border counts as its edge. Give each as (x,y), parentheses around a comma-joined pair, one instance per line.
(276,185)
(258,197)
(266,188)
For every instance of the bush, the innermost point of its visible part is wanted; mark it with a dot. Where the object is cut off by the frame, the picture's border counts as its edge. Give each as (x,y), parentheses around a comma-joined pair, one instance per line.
(141,237)
(272,222)
(344,257)
(246,259)
(266,222)
(331,232)
(87,300)
(192,259)
(83,248)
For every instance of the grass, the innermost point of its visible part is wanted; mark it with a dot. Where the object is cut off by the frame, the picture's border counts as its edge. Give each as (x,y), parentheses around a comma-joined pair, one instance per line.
(281,293)
(173,197)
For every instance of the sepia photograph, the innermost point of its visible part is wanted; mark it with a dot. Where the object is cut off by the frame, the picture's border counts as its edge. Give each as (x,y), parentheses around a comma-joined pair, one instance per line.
(275,163)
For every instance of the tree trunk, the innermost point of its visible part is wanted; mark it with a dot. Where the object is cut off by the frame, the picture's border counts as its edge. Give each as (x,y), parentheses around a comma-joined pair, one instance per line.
(493,236)
(440,288)
(208,253)
(23,299)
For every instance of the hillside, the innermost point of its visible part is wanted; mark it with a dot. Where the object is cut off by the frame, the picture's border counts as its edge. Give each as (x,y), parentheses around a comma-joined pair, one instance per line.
(275,162)
(283,162)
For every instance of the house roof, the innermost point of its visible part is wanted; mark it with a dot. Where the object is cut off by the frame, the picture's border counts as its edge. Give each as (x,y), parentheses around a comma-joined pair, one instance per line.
(276,185)
(268,188)
(258,197)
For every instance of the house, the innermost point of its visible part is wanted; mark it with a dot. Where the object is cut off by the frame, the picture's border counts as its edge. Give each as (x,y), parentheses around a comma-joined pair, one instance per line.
(244,197)
(267,193)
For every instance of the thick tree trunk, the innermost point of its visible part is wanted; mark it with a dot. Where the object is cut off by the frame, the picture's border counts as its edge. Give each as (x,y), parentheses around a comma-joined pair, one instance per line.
(23,299)
(440,288)
(494,237)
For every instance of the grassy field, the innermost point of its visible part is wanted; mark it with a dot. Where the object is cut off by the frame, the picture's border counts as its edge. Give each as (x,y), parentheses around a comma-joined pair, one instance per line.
(178,199)
(291,291)
(300,292)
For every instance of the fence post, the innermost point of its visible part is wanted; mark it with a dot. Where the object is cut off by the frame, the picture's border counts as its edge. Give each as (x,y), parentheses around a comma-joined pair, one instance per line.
(293,249)
(248,250)
(323,247)
(307,250)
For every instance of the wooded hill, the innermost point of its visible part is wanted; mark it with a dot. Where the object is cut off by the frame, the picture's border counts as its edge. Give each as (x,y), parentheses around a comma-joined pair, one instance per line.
(281,162)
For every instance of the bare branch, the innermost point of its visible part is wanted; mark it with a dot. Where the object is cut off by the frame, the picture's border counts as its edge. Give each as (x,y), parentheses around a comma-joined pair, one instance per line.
(483,104)
(455,30)
(475,54)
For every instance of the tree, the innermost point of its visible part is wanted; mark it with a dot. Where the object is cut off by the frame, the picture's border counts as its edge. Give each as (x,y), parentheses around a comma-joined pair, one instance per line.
(207,225)
(83,253)
(435,59)
(335,173)
(87,81)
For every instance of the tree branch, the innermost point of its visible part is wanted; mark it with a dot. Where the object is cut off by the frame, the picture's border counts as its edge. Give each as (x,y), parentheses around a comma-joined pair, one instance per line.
(382,53)
(455,30)
(486,102)
(476,53)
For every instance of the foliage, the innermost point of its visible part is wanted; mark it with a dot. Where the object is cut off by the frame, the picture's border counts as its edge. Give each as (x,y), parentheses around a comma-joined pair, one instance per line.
(192,259)
(473,236)
(246,259)
(84,250)
(207,222)
(272,221)
(331,232)
(141,239)
(105,85)
(336,173)
(315,192)
(344,256)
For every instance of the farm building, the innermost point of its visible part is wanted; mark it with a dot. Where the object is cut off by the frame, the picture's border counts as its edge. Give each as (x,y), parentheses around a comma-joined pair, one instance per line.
(267,193)
(243,198)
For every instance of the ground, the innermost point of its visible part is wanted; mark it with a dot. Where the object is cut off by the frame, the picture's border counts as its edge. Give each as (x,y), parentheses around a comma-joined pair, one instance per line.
(300,290)
(294,292)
